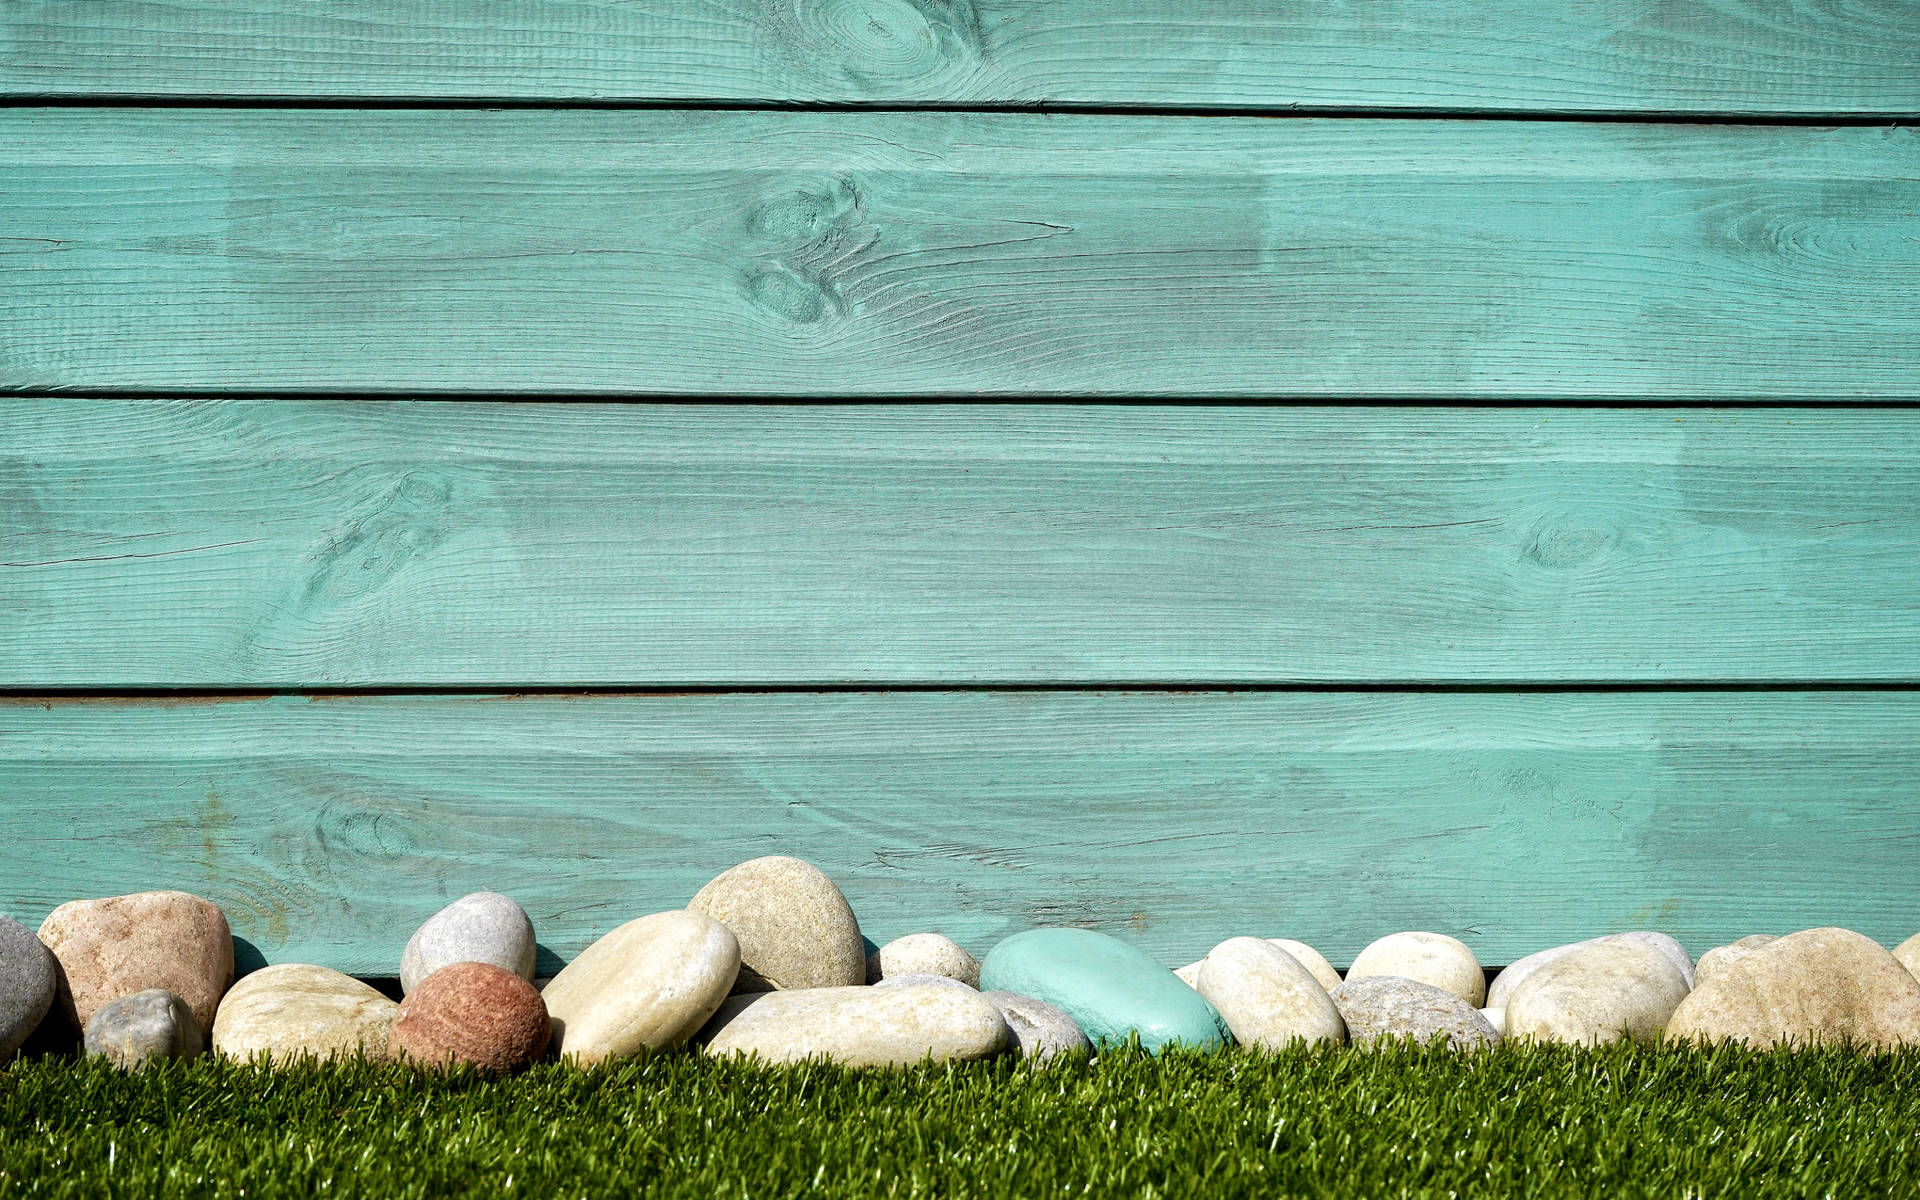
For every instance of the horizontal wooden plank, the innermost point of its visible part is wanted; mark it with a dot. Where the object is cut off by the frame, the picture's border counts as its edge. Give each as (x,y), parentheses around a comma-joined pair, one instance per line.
(1676,56)
(328,828)
(893,254)
(289,544)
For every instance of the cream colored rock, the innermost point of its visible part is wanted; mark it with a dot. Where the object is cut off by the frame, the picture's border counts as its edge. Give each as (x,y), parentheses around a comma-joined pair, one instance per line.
(294,1011)
(1908,954)
(1315,962)
(1507,980)
(1720,957)
(1190,974)
(923,954)
(1608,990)
(795,928)
(1496,1017)
(1430,958)
(649,985)
(1811,987)
(1265,995)
(860,1026)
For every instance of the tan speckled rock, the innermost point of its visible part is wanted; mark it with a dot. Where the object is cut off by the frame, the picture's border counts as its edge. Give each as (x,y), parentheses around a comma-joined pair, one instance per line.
(1602,992)
(1391,1007)
(295,1011)
(1713,961)
(1430,958)
(471,1012)
(795,928)
(649,985)
(1514,975)
(923,954)
(115,947)
(859,1026)
(1265,995)
(1908,954)
(1815,986)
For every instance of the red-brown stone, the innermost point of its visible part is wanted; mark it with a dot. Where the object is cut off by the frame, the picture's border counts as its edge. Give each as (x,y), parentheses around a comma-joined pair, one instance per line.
(126,944)
(471,1013)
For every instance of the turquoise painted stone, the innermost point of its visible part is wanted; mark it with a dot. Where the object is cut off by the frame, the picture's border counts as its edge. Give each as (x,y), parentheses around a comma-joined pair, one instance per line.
(1109,988)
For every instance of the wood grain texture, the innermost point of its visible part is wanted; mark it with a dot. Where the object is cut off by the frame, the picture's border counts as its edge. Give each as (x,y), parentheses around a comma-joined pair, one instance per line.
(1601,56)
(835,254)
(328,828)
(193,544)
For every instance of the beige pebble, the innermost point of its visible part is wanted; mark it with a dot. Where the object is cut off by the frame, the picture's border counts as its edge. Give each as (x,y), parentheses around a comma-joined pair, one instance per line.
(1714,960)
(296,1011)
(1430,958)
(1601,992)
(648,985)
(923,954)
(1265,995)
(1812,987)
(173,941)
(859,1026)
(794,927)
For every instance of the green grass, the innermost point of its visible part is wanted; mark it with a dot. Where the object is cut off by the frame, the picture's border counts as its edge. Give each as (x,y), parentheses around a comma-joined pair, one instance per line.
(1520,1121)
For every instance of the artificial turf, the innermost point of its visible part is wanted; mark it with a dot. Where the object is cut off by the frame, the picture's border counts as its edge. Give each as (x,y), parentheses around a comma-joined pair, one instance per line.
(1403,1120)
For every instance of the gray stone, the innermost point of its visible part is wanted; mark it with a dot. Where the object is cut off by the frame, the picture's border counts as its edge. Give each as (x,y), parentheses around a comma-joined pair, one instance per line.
(1721,957)
(925,981)
(1393,1006)
(135,1030)
(794,927)
(1266,997)
(1039,1029)
(27,984)
(1506,981)
(859,1026)
(923,954)
(484,927)
(1430,958)
(1609,989)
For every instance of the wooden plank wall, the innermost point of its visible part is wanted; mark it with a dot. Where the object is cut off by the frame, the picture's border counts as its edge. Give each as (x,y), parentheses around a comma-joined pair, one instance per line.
(1308,472)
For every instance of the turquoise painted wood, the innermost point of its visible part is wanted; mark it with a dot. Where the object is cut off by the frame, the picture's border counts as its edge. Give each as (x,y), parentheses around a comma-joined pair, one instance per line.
(327,828)
(292,544)
(913,254)
(1598,56)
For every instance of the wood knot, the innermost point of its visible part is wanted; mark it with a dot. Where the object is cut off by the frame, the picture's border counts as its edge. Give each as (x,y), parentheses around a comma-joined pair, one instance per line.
(1561,542)
(874,41)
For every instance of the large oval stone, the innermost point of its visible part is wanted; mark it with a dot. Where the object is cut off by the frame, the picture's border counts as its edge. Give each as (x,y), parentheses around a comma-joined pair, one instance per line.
(1812,987)
(135,1030)
(1392,1006)
(473,1013)
(649,985)
(1907,953)
(1266,996)
(125,944)
(1605,991)
(27,984)
(860,1026)
(295,1011)
(1714,960)
(1107,987)
(794,927)
(1517,972)
(484,927)
(1430,958)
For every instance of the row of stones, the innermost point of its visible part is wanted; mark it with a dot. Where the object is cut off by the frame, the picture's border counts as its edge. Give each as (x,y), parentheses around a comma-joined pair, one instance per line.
(768,960)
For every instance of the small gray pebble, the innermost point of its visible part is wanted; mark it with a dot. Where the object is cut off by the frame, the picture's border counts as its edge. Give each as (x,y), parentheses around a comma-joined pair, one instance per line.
(134,1030)
(1039,1029)
(27,984)
(1392,1006)
(933,980)
(484,927)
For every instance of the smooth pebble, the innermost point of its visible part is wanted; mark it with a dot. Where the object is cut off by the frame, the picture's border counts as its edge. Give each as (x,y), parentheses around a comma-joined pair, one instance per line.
(474,1013)
(1266,997)
(484,927)
(125,944)
(859,1026)
(1108,988)
(1713,960)
(1808,988)
(1430,958)
(1604,991)
(135,1030)
(296,1011)
(923,954)
(649,985)
(794,927)
(27,984)
(1515,974)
